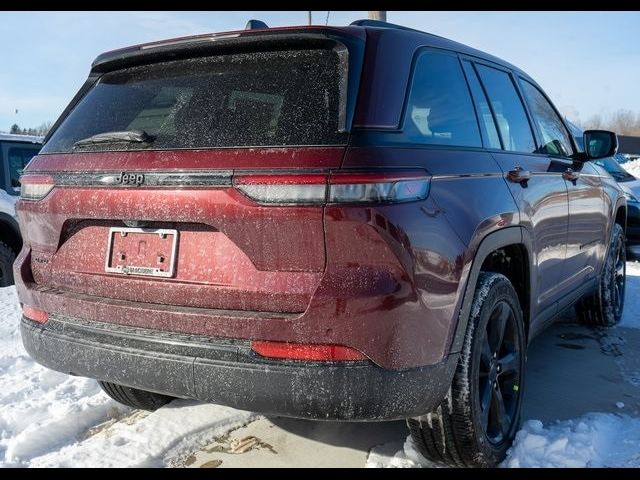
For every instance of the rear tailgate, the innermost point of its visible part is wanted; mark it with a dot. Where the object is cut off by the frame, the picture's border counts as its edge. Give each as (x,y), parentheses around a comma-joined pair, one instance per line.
(232,253)
(208,119)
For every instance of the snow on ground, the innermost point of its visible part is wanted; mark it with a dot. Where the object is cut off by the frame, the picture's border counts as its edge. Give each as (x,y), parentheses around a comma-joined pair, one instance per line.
(51,419)
(178,428)
(40,410)
(595,440)
(386,456)
(633,167)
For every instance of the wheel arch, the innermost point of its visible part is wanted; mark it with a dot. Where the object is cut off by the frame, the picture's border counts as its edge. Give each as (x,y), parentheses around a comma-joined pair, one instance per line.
(10,232)
(509,237)
(621,215)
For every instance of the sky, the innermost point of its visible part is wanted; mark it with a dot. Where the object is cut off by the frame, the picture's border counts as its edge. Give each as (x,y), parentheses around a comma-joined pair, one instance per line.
(587,62)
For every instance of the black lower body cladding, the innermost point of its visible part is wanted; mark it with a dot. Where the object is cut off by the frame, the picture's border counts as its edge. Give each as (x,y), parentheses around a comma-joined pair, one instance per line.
(227,372)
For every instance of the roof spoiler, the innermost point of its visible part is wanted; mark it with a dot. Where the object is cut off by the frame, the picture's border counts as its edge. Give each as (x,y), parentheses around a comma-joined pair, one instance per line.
(256,25)
(365,22)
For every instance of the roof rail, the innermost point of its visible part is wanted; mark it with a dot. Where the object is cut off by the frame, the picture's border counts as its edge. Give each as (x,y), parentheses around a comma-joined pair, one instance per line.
(365,22)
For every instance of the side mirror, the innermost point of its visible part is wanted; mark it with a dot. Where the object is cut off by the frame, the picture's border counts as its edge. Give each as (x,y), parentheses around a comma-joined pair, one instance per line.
(600,144)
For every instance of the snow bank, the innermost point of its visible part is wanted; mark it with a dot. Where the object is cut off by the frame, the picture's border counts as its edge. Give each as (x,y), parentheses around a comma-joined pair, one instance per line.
(631,313)
(180,427)
(40,410)
(595,440)
(388,456)
(633,167)
(51,419)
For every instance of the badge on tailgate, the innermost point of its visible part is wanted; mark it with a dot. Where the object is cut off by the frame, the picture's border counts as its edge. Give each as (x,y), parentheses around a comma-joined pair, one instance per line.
(141,251)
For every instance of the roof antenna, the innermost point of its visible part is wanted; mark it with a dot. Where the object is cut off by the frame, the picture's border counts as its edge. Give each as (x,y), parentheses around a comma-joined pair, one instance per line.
(256,25)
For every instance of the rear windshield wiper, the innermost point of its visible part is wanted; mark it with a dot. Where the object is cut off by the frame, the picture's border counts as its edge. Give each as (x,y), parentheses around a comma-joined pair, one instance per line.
(129,136)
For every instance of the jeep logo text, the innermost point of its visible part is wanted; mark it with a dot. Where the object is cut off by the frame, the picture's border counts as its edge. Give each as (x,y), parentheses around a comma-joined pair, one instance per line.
(136,179)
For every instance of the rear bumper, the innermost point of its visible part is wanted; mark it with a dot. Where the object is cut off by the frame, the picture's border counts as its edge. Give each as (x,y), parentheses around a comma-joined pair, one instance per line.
(227,372)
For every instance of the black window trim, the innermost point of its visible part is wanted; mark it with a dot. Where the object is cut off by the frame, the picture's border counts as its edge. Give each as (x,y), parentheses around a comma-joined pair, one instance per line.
(473,60)
(562,122)
(474,100)
(533,128)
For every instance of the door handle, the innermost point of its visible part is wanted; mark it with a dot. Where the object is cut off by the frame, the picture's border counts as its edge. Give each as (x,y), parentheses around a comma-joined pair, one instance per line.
(519,175)
(570,175)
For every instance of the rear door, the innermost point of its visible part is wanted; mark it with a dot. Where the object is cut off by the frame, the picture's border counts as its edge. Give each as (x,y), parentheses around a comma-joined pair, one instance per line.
(535,180)
(586,240)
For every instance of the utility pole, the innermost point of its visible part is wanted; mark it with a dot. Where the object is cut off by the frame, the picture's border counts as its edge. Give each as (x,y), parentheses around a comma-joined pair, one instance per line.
(309,16)
(380,15)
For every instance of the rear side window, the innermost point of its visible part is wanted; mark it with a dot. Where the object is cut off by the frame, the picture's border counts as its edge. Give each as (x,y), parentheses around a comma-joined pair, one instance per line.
(489,132)
(554,134)
(252,99)
(439,109)
(509,112)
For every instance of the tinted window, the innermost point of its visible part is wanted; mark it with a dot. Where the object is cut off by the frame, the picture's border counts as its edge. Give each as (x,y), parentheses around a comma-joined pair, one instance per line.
(510,114)
(554,134)
(249,99)
(17,159)
(439,110)
(487,125)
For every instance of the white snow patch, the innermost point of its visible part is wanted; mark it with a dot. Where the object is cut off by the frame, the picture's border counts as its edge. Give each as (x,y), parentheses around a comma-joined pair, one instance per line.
(631,313)
(387,455)
(633,167)
(180,427)
(594,440)
(46,417)
(40,410)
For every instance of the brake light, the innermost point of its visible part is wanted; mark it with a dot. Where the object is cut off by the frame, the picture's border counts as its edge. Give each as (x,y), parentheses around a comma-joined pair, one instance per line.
(336,188)
(35,314)
(35,187)
(284,189)
(304,351)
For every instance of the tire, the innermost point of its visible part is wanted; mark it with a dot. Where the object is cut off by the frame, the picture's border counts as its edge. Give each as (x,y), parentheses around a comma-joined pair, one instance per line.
(7,256)
(604,307)
(456,432)
(133,397)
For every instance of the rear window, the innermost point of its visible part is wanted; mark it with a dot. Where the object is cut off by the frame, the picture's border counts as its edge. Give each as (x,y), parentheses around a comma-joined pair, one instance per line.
(439,109)
(252,99)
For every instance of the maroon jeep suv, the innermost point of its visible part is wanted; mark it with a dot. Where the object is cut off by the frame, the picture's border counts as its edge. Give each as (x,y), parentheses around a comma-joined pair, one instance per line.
(359,223)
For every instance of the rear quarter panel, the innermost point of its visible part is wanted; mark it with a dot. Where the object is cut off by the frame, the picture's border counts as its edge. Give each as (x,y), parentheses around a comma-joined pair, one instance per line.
(436,240)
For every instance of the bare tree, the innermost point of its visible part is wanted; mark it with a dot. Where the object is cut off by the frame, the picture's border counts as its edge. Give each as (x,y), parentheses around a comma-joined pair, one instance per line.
(623,122)
(43,128)
(593,123)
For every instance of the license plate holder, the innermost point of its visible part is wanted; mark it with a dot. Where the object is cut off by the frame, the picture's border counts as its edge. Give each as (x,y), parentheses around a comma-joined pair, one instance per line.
(141,251)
